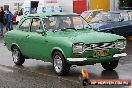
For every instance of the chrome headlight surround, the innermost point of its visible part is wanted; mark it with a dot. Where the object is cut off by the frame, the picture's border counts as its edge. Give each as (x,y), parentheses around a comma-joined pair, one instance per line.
(120,44)
(78,48)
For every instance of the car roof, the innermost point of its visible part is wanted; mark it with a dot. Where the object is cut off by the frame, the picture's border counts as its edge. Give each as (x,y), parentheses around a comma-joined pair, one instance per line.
(49,14)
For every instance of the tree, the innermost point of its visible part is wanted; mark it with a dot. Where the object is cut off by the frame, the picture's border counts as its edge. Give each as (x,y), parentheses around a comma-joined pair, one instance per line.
(125,3)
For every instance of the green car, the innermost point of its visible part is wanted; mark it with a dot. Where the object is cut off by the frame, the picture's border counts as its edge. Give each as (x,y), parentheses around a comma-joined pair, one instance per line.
(65,40)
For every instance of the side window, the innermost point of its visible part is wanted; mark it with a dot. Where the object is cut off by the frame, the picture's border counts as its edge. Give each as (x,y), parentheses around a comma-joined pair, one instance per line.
(25,26)
(51,23)
(124,16)
(35,25)
(65,22)
(77,22)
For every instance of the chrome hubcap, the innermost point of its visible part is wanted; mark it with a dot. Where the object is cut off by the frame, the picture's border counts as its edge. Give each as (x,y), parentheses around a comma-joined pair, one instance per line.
(15,55)
(57,63)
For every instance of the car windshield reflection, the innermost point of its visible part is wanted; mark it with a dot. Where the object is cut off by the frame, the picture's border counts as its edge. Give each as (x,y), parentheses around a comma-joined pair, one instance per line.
(65,22)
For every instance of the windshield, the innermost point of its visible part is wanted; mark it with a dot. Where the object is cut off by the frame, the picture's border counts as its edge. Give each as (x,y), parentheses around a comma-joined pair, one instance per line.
(105,17)
(66,22)
(86,14)
(89,14)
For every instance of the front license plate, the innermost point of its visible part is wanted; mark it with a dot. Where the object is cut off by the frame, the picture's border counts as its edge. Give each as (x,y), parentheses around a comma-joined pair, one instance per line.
(100,53)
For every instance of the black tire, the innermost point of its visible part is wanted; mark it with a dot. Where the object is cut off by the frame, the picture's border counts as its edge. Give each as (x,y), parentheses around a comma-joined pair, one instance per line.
(64,68)
(18,58)
(110,65)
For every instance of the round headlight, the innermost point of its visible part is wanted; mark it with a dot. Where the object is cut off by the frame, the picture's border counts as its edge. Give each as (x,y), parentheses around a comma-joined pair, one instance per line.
(120,44)
(78,48)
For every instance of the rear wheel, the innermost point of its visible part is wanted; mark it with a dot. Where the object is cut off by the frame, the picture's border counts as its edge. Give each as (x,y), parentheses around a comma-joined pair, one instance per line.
(18,58)
(110,65)
(60,65)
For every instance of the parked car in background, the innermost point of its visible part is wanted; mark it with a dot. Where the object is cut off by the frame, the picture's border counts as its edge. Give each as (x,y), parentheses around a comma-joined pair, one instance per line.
(116,22)
(65,40)
(89,15)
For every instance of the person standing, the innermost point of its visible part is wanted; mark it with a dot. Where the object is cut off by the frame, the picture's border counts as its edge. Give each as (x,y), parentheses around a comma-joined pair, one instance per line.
(9,20)
(2,16)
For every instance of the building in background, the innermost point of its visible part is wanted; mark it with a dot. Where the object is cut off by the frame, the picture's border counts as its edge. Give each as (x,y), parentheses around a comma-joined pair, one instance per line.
(82,5)
(13,5)
(77,6)
(41,6)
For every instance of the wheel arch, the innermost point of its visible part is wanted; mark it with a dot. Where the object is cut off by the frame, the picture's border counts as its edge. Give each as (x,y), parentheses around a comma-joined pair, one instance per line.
(14,44)
(57,49)
(65,66)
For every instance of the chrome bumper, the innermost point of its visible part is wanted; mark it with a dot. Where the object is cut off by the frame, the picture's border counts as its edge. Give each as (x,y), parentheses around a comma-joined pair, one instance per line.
(120,55)
(76,59)
(84,59)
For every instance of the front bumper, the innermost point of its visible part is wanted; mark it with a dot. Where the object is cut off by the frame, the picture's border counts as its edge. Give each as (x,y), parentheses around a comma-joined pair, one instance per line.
(87,61)
(120,55)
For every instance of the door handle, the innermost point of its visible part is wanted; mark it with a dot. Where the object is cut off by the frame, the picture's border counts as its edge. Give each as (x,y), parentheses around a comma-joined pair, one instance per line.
(27,36)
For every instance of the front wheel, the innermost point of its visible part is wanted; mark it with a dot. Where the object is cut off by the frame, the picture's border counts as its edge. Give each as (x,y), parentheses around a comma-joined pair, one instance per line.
(110,65)
(61,67)
(18,58)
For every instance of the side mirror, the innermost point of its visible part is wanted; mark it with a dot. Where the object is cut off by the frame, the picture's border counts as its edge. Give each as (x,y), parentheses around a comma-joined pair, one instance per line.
(41,32)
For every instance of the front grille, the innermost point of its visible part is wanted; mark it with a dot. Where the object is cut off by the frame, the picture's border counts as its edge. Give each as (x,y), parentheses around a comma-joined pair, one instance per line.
(99,46)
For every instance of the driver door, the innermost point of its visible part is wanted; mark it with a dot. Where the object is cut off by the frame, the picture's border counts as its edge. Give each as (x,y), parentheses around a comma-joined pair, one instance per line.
(36,42)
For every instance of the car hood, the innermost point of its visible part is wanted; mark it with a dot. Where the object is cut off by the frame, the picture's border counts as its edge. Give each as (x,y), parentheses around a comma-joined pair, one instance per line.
(85,36)
(97,25)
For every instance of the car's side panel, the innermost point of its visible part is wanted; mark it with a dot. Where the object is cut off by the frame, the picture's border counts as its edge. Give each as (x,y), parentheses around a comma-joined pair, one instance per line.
(9,38)
(124,29)
(120,28)
(37,46)
(41,47)
(20,41)
(16,37)
(54,43)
